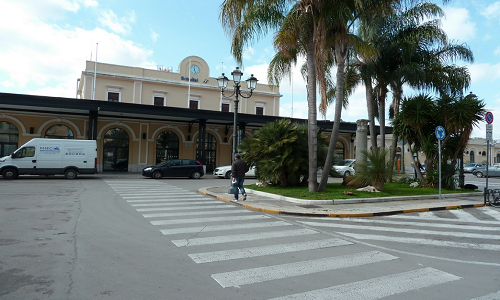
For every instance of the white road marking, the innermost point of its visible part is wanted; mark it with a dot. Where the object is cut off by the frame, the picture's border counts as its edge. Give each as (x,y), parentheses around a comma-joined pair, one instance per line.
(165,196)
(204,220)
(172,203)
(223,206)
(418,241)
(241,237)
(164,199)
(380,287)
(419,224)
(223,227)
(492,212)
(406,230)
(492,296)
(249,276)
(265,250)
(431,216)
(198,213)
(463,215)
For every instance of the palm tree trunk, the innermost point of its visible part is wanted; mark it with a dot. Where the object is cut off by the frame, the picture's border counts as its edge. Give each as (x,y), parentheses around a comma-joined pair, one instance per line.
(382,94)
(396,101)
(312,119)
(340,53)
(370,100)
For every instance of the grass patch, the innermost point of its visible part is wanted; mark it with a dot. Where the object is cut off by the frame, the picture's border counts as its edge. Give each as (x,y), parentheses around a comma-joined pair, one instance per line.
(336,191)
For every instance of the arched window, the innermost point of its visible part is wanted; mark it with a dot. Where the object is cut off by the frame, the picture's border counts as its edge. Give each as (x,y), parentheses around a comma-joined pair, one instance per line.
(9,138)
(59,131)
(210,150)
(339,153)
(115,152)
(498,158)
(471,157)
(167,146)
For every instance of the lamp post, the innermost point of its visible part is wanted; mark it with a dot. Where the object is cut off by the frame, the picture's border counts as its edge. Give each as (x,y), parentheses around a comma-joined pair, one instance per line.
(222,81)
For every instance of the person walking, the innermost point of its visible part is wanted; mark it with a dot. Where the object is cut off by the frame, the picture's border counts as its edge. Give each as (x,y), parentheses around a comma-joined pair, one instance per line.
(238,170)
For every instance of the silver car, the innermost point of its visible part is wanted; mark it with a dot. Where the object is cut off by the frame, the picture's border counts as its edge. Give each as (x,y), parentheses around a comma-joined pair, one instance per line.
(471,167)
(492,172)
(345,167)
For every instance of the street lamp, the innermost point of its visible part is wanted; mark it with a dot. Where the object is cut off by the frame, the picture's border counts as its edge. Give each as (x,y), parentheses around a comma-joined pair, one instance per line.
(222,81)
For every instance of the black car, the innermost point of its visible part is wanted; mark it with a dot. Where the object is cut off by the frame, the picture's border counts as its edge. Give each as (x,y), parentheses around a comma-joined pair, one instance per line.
(175,168)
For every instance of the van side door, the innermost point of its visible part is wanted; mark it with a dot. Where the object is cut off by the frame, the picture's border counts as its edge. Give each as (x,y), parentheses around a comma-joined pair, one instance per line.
(25,160)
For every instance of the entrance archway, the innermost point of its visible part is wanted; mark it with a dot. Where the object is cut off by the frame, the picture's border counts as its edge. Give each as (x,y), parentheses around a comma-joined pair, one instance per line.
(115,150)
(210,150)
(167,146)
(9,138)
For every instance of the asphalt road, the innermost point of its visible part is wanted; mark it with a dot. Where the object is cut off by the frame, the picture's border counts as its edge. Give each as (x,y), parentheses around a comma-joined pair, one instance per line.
(128,237)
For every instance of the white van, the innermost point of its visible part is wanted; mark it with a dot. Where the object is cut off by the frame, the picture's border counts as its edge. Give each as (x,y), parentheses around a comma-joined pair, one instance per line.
(51,157)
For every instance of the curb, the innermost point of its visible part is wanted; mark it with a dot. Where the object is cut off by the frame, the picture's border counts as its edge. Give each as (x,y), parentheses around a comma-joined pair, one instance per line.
(204,191)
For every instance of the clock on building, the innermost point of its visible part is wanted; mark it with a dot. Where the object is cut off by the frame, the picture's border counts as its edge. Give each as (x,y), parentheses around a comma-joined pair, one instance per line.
(194,69)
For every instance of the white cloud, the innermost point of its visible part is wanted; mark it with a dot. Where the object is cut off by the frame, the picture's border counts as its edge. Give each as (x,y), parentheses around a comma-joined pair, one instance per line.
(154,35)
(484,72)
(122,25)
(458,25)
(89,3)
(36,54)
(492,11)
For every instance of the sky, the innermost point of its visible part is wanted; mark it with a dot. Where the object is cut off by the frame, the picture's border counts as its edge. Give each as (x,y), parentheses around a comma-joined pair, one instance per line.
(44,46)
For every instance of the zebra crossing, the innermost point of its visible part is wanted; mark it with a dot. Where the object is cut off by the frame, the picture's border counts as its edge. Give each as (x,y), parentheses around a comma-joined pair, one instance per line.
(213,233)
(448,229)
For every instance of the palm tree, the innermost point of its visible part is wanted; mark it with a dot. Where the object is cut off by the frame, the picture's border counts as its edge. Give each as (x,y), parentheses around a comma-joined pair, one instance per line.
(414,52)
(302,28)
(279,151)
(421,114)
(347,16)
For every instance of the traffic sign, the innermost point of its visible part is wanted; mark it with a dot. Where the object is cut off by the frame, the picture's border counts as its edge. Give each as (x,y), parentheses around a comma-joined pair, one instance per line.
(489,132)
(440,133)
(489,117)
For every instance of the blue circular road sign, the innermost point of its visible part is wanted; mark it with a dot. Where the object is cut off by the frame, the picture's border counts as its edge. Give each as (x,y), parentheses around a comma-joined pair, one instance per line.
(440,133)
(489,117)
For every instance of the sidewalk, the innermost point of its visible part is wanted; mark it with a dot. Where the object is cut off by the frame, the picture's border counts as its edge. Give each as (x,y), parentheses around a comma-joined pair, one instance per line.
(367,207)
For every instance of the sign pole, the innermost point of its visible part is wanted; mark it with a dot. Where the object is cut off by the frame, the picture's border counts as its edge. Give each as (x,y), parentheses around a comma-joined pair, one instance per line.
(440,133)
(487,161)
(489,136)
(439,162)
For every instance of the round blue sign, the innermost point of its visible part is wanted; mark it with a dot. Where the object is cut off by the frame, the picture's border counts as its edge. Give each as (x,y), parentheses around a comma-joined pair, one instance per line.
(489,117)
(440,133)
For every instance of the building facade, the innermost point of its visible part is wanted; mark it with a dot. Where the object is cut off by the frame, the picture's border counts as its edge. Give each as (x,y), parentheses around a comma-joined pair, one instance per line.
(140,117)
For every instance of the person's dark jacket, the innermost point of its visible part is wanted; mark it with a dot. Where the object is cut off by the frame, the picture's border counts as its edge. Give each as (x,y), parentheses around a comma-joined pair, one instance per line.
(239,168)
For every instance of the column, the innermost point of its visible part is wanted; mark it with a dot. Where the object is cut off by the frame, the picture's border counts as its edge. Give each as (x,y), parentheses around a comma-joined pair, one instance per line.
(361,142)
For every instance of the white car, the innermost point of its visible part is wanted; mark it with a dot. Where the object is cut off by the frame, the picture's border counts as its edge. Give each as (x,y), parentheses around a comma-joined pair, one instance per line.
(225,172)
(345,167)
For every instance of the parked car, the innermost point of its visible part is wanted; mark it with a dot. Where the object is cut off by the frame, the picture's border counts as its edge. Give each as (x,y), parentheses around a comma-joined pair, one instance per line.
(175,168)
(492,172)
(471,167)
(345,167)
(225,172)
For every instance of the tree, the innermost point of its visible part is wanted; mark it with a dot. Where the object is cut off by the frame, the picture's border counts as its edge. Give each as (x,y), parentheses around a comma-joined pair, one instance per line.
(279,151)
(301,28)
(348,14)
(376,172)
(420,115)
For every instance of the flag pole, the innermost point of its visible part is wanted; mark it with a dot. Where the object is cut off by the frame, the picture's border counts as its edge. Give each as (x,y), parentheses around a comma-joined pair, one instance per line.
(95,71)
(189,83)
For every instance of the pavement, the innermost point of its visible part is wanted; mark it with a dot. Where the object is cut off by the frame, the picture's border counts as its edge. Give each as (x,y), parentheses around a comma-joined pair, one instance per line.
(345,208)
